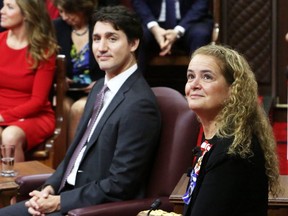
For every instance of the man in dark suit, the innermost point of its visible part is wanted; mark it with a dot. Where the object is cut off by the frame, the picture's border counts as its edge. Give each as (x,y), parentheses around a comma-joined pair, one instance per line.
(187,24)
(114,163)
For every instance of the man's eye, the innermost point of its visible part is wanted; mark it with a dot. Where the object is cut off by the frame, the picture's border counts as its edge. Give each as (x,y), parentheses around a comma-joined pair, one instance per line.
(96,39)
(113,39)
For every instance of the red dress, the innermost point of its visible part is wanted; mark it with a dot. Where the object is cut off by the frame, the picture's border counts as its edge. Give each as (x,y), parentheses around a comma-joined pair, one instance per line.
(24,93)
(52,10)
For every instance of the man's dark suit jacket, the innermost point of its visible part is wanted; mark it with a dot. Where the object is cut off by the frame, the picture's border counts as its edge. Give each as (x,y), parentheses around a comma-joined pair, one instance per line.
(191,11)
(117,160)
(230,185)
(63,35)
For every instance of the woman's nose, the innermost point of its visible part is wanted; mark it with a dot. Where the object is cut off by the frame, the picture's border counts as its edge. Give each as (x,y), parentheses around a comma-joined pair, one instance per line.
(195,83)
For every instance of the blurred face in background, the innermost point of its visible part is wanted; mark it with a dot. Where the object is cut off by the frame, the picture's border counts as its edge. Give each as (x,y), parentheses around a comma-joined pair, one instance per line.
(75,19)
(11,15)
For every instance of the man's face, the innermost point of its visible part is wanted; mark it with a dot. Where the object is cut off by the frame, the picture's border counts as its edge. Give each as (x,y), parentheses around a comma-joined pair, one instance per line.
(112,50)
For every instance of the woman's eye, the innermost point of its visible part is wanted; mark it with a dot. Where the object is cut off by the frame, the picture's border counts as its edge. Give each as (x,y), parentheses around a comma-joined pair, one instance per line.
(190,76)
(207,77)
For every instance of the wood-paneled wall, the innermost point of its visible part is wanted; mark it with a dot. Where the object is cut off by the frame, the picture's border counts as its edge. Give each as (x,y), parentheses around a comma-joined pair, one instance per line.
(257,29)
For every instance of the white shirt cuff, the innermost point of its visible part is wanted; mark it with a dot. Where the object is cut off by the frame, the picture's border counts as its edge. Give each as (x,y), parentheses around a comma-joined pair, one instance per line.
(152,24)
(179,29)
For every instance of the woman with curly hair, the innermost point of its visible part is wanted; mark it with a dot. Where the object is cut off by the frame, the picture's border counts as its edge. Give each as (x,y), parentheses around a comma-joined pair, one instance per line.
(237,166)
(28,50)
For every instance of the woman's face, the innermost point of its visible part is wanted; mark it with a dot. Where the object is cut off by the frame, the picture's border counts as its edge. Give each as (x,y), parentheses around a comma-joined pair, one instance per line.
(76,19)
(11,15)
(206,88)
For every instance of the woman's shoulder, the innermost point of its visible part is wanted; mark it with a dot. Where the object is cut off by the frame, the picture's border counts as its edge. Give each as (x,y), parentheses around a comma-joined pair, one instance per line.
(3,35)
(219,148)
(221,142)
(256,147)
(3,41)
(59,24)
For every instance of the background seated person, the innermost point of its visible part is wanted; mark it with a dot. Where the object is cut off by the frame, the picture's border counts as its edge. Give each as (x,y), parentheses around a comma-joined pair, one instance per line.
(52,10)
(185,23)
(27,67)
(1,5)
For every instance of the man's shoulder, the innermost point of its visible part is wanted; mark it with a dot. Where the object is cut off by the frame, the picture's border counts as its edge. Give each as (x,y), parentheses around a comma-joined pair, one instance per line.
(139,84)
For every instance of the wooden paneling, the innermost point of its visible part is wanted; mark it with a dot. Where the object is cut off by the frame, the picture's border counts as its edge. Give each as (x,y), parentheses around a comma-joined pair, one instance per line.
(257,28)
(248,26)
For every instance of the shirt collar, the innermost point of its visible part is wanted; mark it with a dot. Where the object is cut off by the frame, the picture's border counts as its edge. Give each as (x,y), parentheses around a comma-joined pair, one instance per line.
(116,82)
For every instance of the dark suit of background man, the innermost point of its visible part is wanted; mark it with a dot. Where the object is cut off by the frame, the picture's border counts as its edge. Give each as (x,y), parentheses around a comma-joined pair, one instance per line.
(117,158)
(192,28)
(1,5)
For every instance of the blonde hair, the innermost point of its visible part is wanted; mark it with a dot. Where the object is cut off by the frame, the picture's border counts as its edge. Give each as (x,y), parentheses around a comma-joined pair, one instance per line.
(40,31)
(242,115)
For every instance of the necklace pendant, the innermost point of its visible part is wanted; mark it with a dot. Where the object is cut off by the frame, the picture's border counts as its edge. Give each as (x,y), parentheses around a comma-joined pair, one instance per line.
(81,33)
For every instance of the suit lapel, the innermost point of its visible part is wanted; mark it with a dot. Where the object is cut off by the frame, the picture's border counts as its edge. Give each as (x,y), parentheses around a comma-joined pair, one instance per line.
(86,117)
(110,109)
(117,100)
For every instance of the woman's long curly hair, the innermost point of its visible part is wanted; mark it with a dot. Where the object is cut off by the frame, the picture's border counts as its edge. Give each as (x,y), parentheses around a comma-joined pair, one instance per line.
(42,42)
(242,115)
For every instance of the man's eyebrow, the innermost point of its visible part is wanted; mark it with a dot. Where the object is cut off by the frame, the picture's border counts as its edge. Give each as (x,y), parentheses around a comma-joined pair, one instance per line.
(106,34)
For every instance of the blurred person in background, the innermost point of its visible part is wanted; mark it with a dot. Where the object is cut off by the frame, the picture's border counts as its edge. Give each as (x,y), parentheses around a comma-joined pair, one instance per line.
(1,28)
(185,24)
(27,62)
(52,10)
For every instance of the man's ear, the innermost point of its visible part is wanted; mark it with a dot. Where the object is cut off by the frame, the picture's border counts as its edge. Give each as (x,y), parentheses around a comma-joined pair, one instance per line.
(134,44)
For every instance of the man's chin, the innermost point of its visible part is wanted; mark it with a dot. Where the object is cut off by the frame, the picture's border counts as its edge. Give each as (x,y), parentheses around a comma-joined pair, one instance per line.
(104,67)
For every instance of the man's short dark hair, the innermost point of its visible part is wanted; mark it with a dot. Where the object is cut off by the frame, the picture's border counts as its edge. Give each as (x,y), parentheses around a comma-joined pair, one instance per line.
(122,18)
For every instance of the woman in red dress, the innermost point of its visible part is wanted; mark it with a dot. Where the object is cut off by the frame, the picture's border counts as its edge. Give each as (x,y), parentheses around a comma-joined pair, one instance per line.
(27,64)
(52,10)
